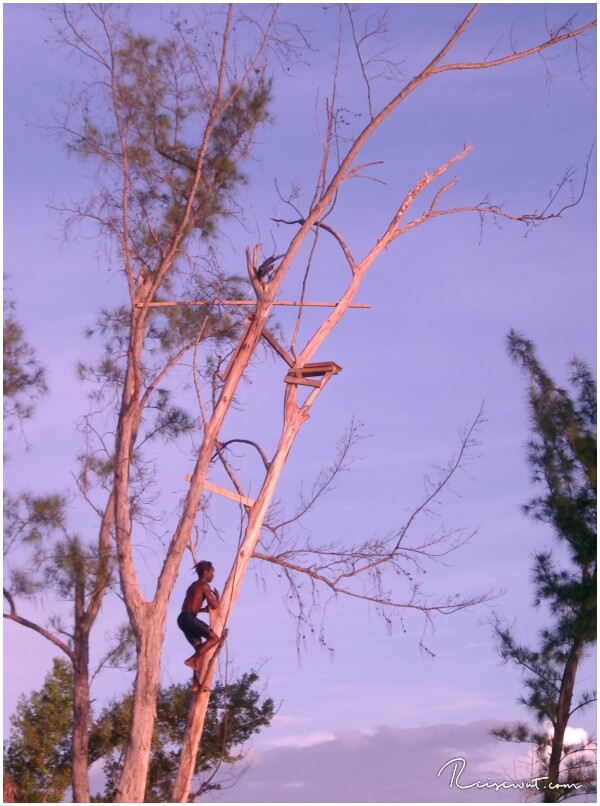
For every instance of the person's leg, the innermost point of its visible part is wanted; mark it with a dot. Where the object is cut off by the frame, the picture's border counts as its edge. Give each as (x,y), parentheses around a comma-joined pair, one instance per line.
(191,661)
(212,641)
(194,631)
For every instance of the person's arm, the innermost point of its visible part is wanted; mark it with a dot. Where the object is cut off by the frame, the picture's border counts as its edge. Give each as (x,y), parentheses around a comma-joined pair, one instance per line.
(212,596)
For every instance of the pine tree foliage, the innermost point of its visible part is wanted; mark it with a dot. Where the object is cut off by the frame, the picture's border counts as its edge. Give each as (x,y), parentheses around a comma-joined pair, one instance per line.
(24,375)
(37,754)
(179,184)
(41,558)
(236,712)
(41,554)
(167,136)
(562,457)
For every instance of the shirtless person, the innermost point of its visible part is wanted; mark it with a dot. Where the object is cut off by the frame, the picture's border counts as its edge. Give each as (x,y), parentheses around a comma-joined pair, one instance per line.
(194,629)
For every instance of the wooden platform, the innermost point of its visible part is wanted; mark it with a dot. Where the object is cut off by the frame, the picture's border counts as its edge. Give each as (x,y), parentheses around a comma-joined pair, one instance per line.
(312,374)
(309,375)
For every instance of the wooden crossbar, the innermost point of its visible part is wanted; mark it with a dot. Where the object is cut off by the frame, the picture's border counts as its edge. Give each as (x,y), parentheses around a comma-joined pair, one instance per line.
(300,381)
(277,347)
(241,499)
(288,303)
(299,375)
(304,375)
(314,370)
(214,488)
(269,338)
(225,374)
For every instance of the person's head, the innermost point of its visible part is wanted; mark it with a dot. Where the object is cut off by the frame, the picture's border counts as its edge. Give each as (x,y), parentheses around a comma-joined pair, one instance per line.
(205,570)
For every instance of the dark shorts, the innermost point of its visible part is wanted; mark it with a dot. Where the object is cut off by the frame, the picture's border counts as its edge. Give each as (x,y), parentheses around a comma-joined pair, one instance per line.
(193,629)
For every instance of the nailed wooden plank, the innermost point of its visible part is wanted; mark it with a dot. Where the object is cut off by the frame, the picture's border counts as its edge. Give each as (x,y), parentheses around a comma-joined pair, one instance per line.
(277,347)
(241,499)
(224,375)
(298,379)
(316,369)
(284,303)
(214,488)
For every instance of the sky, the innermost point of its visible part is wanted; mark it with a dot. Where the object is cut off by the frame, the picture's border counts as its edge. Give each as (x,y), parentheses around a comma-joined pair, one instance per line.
(373,716)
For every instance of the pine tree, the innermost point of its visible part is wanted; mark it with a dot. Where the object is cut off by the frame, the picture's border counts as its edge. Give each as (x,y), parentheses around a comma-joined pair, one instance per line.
(562,456)
(235,713)
(24,377)
(37,755)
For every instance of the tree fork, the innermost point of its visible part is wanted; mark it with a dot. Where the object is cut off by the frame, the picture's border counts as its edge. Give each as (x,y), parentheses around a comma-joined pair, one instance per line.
(144,615)
(294,418)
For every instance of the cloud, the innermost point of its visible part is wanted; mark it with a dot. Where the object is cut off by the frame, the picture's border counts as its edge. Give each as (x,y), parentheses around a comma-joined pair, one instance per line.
(388,765)
(308,740)
(576,736)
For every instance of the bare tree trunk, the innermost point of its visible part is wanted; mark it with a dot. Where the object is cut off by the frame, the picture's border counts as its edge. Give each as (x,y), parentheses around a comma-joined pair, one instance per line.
(132,787)
(148,619)
(193,731)
(294,418)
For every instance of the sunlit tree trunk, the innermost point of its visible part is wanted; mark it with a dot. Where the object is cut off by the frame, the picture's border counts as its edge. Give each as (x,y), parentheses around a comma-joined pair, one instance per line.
(149,641)
(294,418)
(148,619)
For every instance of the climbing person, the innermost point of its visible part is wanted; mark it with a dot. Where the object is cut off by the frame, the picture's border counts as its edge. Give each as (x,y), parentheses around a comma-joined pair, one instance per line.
(199,634)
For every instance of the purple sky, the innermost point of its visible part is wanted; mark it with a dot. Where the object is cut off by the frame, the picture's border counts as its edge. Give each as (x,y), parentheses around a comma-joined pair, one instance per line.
(416,368)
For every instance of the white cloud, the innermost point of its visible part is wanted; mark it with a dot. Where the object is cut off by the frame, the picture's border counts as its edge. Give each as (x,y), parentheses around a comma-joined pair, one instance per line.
(576,736)
(388,765)
(307,740)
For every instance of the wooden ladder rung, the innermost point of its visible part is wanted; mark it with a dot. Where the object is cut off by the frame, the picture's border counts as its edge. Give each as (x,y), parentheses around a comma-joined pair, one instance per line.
(300,381)
(214,488)
(303,375)
(268,337)
(315,370)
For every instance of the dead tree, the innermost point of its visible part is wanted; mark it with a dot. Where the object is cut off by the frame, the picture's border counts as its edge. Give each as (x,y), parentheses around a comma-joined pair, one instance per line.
(349,564)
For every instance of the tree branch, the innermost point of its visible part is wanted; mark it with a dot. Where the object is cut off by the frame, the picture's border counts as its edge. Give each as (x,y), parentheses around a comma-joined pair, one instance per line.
(523,54)
(13,616)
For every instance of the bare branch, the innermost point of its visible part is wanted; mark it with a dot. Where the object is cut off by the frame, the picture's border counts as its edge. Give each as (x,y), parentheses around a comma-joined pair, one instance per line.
(555,39)
(13,616)
(223,445)
(325,480)
(334,566)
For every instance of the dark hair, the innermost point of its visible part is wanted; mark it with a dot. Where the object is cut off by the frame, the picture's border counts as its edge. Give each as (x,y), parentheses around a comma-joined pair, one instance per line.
(203,566)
